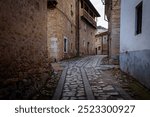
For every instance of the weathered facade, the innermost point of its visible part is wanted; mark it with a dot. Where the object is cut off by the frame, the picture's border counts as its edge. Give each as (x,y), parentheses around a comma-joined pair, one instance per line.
(134,40)
(61,30)
(101,43)
(23,46)
(112,11)
(24,65)
(71,29)
(87,27)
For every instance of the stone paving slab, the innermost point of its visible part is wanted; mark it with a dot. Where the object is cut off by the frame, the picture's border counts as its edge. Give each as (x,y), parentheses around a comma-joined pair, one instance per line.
(60,85)
(85,79)
(88,89)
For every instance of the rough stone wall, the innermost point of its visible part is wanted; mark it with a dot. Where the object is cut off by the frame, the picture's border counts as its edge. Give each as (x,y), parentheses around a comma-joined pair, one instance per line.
(23,38)
(62,24)
(87,35)
(114,30)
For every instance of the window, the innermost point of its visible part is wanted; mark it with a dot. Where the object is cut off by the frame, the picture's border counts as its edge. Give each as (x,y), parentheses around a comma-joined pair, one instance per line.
(84,43)
(82,3)
(139,18)
(71,29)
(104,39)
(65,45)
(51,4)
(99,48)
(71,11)
(86,7)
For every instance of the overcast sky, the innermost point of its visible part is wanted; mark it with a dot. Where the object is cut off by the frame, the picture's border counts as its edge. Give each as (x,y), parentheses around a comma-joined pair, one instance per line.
(100,8)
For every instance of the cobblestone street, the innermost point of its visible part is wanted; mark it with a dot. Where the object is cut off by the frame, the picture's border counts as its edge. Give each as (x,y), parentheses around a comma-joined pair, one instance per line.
(85,79)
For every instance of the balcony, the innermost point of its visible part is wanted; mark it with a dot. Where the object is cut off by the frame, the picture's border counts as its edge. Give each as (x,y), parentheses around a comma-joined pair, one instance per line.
(51,4)
(86,16)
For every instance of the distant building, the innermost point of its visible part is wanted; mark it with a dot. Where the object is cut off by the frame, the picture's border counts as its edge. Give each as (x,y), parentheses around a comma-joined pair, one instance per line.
(135,40)
(112,11)
(101,43)
(101,29)
(87,27)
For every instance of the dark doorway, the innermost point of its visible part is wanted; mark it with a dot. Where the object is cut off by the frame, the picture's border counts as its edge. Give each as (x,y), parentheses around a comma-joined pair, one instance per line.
(88,46)
(96,51)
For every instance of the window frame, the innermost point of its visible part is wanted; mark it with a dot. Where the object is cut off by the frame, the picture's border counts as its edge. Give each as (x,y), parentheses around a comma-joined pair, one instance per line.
(139,18)
(65,45)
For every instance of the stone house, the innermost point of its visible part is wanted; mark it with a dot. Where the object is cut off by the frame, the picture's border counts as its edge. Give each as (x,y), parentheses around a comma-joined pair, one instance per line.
(134,39)
(101,43)
(32,30)
(23,46)
(23,36)
(87,27)
(74,26)
(61,30)
(112,12)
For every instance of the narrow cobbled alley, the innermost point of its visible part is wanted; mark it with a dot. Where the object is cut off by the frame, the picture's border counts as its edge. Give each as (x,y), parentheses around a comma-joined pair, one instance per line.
(85,79)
